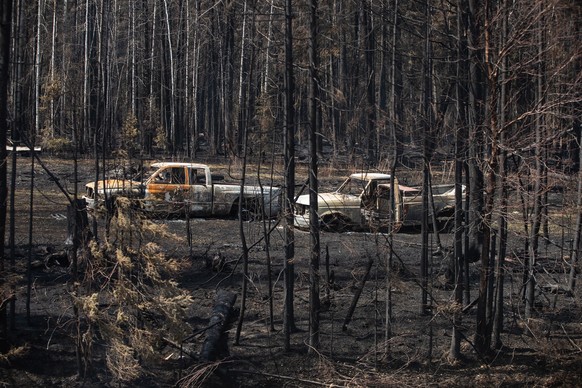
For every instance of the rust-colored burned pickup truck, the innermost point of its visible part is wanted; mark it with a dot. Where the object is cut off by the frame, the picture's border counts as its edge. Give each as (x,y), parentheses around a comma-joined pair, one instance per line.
(187,188)
(363,202)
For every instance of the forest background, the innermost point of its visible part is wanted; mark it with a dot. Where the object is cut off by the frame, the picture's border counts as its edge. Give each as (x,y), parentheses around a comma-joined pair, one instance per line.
(491,87)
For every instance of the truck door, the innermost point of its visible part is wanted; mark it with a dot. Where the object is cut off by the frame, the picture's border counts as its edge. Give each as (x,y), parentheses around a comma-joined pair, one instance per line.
(199,192)
(165,191)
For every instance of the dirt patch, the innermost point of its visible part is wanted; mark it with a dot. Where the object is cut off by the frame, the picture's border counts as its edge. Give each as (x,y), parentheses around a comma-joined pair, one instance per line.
(542,351)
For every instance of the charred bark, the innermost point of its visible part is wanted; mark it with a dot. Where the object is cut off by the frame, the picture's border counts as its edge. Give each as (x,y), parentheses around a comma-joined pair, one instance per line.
(357,295)
(5,18)
(215,346)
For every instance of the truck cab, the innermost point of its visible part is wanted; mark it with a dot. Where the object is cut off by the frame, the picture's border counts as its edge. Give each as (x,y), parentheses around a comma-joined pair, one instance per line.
(362,202)
(179,187)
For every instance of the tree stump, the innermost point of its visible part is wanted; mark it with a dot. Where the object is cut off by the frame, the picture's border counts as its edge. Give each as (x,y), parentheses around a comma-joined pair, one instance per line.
(77,223)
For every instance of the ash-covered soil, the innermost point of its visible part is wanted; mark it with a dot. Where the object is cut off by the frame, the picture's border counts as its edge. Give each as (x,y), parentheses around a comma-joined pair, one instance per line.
(544,351)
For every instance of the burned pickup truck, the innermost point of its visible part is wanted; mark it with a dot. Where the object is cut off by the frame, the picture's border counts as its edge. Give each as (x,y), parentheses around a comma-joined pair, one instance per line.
(187,188)
(364,202)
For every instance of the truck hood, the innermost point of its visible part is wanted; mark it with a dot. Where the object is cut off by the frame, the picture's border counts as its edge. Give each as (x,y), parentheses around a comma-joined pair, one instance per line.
(330,200)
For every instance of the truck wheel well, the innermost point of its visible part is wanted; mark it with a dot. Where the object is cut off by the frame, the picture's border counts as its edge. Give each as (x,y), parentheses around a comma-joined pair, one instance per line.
(335,222)
(250,208)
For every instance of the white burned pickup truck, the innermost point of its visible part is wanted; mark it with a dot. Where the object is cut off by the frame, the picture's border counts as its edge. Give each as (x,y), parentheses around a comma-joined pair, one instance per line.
(363,202)
(187,188)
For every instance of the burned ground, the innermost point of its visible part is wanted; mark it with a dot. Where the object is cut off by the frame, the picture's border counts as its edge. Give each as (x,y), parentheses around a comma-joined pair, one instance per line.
(542,351)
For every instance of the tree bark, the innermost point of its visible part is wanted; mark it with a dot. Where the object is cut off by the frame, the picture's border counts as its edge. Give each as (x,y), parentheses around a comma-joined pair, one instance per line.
(289,151)
(357,295)
(215,343)
(5,23)
(503,192)
(455,350)
(394,115)
(426,150)
(314,275)
(577,245)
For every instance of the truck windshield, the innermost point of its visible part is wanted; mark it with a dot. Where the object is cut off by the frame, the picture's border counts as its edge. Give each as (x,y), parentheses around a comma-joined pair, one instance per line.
(352,187)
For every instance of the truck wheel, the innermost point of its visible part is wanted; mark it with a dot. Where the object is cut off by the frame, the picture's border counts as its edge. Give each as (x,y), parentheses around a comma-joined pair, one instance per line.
(334,223)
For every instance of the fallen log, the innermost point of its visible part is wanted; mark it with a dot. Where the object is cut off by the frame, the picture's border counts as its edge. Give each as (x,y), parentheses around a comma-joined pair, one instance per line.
(215,343)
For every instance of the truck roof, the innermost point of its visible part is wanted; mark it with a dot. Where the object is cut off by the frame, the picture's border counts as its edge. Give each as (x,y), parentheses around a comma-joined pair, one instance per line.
(178,164)
(370,176)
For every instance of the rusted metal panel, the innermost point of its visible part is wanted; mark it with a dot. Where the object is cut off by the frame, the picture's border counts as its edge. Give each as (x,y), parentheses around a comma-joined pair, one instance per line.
(189,188)
(364,201)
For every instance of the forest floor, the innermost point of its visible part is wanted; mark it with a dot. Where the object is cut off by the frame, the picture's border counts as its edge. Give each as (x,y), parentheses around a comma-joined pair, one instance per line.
(543,351)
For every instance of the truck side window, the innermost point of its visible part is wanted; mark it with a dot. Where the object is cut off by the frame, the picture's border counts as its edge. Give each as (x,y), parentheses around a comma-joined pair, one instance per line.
(178,176)
(163,176)
(201,177)
(197,177)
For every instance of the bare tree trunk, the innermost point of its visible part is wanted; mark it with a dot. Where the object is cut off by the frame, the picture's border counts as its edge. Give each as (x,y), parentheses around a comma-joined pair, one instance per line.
(455,350)
(503,193)
(371,82)
(172,97)
(357,294)
(458,257)
(227,87)
(245,249)
(433,216)
(17,71)
(314,275)
(37,67)
(87,123)
(188,91)
(267,237)
(289,150)
(264,84)
(132,61)
(30,231)
(427,100)
(536,216)
(578,231)
(246,114)
(485,303)
(393,211)
(195,82)
(241,80)
(52,70)
(5,21)
(475,121)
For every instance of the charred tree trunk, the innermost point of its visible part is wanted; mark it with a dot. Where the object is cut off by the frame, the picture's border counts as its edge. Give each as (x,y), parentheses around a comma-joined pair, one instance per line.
(215,345)
(536,217)
(503,193)
(455,351)
(5,18)
(394,115)
(357,295)
(314,275)
(426,140)
(289,150)
(578,236)
(491,129)
(369,48)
